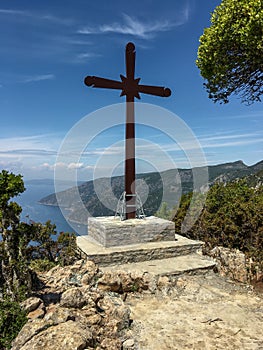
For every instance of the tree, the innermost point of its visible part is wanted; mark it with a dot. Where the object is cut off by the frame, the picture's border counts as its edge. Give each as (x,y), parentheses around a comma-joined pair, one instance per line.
(14,269)
(16,248)
(50,248)
(231,50)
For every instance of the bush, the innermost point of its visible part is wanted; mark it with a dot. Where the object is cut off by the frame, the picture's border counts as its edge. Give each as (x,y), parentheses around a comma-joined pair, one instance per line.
(164,212)
(41,265)
(232,217)
(12,319)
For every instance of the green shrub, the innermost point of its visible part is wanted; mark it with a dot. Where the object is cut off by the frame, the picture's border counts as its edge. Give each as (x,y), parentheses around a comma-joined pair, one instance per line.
(232,217)
(12,319)
(41,265)
(164,212)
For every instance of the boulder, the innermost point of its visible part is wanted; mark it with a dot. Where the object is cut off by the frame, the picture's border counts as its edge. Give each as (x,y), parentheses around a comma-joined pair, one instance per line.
(231,263)
(128,344)
(30,329)
(121,281)
(72,298)
(38,313)
(68,335)
(31,304)
(115,310)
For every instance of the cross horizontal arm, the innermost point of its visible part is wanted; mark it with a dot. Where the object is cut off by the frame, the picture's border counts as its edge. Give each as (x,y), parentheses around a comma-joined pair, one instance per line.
(154,90)
(97,82)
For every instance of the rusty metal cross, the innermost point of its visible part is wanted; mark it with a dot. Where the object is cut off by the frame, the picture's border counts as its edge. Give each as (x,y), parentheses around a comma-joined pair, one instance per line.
(130,88)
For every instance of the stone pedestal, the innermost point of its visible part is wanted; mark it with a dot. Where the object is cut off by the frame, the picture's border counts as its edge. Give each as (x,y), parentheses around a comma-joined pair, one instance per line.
(148,244)
(109,231)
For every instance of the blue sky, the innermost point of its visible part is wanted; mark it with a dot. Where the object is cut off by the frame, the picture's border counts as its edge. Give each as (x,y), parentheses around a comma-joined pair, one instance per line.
(48,47)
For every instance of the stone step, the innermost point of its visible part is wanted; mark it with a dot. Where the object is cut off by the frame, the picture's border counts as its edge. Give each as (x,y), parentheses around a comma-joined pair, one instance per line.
(133,253)
(191,263)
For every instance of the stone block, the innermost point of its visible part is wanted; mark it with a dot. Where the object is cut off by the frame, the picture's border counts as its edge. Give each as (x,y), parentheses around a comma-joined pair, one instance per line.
(109,231)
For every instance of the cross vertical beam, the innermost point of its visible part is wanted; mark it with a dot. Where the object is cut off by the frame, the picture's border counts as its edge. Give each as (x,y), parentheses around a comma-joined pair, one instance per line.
(131,88)
(130,137)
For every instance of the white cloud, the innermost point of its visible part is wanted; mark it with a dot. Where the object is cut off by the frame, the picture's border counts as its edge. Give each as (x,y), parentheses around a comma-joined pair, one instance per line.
(66,166)
(233,143)
(230,137)
(133,26)
(75,165)
(36,78)
(32,148)
(14,12)
(231,140)
(86,56)
(36,16)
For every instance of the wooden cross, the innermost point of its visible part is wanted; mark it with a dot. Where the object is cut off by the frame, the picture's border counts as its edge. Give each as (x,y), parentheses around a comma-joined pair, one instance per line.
(130,88)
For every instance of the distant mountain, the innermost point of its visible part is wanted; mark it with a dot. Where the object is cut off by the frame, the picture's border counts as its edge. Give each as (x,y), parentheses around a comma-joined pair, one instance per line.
(156,187)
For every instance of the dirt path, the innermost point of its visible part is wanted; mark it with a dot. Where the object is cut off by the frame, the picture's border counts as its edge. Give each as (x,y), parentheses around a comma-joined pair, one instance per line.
(201,312)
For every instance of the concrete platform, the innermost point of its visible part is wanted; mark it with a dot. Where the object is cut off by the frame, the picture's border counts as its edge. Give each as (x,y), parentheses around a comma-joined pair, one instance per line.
(109,231)
(133,253)
(191,263)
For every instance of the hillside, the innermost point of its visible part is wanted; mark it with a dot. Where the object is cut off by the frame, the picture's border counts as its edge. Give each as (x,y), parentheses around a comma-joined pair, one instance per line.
(177,181)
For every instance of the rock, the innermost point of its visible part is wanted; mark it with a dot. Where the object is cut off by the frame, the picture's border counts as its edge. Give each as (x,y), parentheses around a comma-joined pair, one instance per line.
(126,281)
(110,282)
(77,267)
(163,281)
(38,313)
(31,304)
(142,281)
(110,344)
(181,283)
(30,329)
(81,273)
(77,314)
(231,263)
(128,344)
(149,282)
(68,335)
(72,297)
(57,314)
(93,320)
(115,309)
(90,270)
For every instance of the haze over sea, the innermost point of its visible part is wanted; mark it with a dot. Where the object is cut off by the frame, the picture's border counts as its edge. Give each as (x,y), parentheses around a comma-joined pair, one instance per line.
(32,210)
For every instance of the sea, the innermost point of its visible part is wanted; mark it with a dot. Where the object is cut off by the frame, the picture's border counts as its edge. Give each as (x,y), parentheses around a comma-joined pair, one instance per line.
(33,210)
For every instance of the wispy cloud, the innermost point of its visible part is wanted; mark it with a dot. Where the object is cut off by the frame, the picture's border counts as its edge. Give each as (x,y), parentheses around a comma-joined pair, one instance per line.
(232,143)
(249,115)
(85,56)
(133,26)
(14,12)
(28,152)
(231,137)
(36,78)
(28,146)
(36,16)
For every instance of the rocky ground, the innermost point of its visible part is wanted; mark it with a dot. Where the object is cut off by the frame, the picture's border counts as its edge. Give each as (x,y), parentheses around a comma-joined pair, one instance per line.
(79,307)
(200,312)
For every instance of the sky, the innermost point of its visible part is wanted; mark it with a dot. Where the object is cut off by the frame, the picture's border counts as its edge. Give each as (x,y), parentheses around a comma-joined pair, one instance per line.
(48,47)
